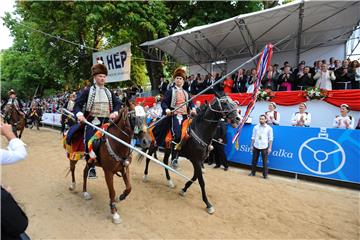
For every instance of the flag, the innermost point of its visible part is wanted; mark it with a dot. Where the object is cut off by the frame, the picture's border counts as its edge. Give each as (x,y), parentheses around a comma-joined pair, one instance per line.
(262,66)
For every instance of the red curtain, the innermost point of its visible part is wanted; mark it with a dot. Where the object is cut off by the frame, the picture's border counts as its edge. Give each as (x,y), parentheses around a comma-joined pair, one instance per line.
(335,97)
(350,97)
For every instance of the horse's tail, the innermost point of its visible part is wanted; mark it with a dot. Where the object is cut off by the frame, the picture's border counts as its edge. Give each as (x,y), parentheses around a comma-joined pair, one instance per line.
(139,156)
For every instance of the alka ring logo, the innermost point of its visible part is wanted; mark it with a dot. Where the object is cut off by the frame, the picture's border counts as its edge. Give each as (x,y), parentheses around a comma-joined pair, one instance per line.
(321,155)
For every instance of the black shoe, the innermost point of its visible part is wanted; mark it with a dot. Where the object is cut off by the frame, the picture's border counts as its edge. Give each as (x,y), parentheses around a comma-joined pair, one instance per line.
(251,174)
(217,166)
(225,169)
(265,177)
(92,173)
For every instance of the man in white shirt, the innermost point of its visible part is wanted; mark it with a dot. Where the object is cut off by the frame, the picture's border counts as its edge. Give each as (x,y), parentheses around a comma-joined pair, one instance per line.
(344,120)
(301,118)
(261,142)
(16,148)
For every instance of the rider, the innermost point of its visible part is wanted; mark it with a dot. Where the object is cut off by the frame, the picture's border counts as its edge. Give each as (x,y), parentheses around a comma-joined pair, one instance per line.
(100,105)
(173,99)
(17,103)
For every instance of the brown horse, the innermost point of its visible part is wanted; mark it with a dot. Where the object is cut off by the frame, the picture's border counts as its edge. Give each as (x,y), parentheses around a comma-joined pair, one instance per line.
(15,119)
(111,154)
(197,147)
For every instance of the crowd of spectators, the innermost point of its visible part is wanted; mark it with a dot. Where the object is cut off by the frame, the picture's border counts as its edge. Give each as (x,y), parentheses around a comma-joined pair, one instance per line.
(329,75)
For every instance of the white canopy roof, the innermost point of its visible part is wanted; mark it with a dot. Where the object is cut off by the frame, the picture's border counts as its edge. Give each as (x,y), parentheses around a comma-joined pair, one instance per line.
(324,23)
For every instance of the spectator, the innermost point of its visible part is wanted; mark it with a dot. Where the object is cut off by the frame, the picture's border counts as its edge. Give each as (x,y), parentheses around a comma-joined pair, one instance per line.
(324,78)
(228,85)
(355,74)
(209,80)
(219,145)
(316,68)
(276,75)
(163,85)
(13,220)
(268,80)
(240,82)
(272,116)
(251,81)
(305,80)
(331,66)
(286,80)
(16,148)
(344,120)
(301,118)
(261,142)
(343,77)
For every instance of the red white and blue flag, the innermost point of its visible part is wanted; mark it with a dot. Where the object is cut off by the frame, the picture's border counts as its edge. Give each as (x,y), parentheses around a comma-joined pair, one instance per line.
(262,66)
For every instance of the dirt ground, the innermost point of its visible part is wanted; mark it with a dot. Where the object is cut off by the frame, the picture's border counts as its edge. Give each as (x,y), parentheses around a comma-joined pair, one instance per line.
(246,207)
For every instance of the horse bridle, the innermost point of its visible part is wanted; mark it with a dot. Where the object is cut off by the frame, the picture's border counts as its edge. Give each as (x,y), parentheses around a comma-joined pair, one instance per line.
(222,111)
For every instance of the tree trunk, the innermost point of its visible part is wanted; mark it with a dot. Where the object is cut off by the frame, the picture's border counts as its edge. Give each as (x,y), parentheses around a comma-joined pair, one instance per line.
(154,69)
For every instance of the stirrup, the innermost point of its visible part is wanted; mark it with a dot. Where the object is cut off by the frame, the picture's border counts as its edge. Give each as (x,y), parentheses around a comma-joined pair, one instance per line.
(92,173)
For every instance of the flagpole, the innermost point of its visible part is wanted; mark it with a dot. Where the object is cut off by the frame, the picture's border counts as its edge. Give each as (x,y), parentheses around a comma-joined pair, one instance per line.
(129,146)
(218,81)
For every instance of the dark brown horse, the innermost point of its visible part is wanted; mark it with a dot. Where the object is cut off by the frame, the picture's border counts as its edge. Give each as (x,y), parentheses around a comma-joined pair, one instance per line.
(13,117)
(111,154)
(196,148)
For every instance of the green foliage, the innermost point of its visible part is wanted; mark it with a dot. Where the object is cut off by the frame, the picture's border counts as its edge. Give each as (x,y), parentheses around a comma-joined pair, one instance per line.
(53,64)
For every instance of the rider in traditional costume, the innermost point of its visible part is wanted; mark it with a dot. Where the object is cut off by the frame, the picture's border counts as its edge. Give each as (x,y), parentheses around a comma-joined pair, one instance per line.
(14,100)
(173,99)
(97,105)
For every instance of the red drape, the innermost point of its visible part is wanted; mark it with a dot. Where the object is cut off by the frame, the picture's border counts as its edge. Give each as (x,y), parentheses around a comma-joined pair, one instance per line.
(335,97)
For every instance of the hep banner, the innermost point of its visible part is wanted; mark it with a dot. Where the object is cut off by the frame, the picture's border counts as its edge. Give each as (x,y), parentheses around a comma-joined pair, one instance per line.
(118,62)
(319,152)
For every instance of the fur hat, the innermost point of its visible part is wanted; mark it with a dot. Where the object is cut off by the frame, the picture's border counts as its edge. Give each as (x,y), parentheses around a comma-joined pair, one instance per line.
(179,72)
(11,92)
(99,68)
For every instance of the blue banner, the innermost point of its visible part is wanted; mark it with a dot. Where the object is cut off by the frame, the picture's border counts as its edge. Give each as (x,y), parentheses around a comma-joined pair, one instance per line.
(325,153)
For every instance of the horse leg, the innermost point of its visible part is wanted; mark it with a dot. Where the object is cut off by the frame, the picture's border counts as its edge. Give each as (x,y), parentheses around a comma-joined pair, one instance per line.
(189,183)
(85,194)
(72,170)
(109,177)
(21,131)
(126,177)
(166,161)
(209,208)
(146,171)
(14,129)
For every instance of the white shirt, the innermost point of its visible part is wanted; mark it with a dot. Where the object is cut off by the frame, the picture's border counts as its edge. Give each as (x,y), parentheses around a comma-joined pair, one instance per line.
(272,120)
(295,119)
(16,152)
(155,112)
(339,122)
(262,134)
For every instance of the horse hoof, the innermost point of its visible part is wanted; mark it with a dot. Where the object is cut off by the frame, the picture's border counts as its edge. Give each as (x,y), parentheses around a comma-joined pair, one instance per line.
(87,196)
(145,178)
(182,193)
(72,186)
(210,210)
(116,218)
(171,184)
(122,197)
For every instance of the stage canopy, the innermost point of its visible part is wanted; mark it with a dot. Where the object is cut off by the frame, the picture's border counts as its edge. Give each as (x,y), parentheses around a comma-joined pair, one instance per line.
(311,25)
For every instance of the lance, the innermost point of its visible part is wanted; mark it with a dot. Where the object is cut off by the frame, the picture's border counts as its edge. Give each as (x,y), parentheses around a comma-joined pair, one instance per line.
(217,82)
(130,146)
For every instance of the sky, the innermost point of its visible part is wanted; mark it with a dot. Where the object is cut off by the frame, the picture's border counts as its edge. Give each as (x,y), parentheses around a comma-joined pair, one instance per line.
(6,39)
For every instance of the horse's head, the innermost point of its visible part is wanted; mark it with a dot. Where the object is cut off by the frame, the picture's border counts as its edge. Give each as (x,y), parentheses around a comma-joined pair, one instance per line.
(137,118)
(225,107)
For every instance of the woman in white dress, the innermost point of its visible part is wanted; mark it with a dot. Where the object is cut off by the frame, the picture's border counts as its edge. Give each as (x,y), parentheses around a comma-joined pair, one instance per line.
(324,77)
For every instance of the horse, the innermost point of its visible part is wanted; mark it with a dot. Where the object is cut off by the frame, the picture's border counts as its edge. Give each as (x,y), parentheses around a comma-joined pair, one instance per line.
(111,154)
(13,117)
(197,147)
